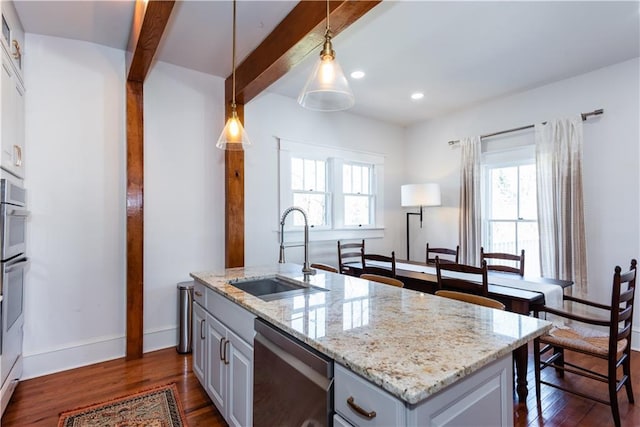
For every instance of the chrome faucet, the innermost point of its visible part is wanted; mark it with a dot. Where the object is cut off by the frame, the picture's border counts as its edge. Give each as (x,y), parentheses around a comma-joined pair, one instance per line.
(305,268)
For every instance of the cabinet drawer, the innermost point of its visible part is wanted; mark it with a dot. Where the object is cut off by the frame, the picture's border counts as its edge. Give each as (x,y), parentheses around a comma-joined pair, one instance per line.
(349,387)
(199,293)
(232,315)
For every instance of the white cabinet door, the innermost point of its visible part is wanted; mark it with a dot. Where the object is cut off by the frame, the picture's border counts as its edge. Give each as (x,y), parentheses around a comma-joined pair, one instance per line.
(18,146)
(198,331)
(216,383)
(8,112)
(12,34)
(240,369)
(12,119)
(222,357)
(484,398)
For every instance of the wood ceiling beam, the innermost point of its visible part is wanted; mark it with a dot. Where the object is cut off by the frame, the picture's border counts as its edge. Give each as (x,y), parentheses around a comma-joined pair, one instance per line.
(300,33)
(149,23)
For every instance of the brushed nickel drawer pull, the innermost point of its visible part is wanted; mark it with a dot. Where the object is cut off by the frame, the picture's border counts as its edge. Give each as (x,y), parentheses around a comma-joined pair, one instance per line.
(202,329)
(359,410)
(198,293)
(220,349)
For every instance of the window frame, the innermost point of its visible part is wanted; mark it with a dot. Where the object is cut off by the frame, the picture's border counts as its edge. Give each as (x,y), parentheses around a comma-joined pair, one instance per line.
(340,199)
(335,158)
(327,193)
(514,157)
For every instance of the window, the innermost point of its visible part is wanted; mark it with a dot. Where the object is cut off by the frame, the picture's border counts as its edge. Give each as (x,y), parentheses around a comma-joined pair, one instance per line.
(510,206)
(309,184)
(340,190)
(358,194)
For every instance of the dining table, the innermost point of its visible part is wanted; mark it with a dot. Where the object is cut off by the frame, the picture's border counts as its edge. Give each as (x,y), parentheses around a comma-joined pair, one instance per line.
(519,294)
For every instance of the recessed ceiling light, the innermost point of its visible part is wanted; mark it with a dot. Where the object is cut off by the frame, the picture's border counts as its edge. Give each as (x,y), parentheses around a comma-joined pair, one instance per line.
(417,95)
(357,74)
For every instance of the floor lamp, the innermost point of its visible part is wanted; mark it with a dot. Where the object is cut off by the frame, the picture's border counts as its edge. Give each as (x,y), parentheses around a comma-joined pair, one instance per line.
(419,195)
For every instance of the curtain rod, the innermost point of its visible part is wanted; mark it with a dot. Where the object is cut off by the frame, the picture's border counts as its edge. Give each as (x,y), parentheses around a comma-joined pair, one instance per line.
(584,116)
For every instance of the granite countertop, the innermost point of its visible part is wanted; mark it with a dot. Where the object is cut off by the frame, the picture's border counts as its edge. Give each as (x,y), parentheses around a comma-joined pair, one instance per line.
(409,343)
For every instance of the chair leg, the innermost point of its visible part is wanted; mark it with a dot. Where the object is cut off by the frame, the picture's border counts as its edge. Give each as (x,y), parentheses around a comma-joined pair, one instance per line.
(613,398)
(613,389)
(536,365)
(559,361)
(626,369)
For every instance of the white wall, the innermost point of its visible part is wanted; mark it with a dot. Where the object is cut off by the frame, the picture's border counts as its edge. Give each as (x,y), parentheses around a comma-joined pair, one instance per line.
(183,191)
(610,168)
(76,178)
(270,116)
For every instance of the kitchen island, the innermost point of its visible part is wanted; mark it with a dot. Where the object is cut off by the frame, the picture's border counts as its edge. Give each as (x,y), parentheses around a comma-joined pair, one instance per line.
(413,346)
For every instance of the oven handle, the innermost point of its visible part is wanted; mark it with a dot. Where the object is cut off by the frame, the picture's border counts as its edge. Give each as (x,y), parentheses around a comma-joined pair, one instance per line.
(14,265)
(18,212)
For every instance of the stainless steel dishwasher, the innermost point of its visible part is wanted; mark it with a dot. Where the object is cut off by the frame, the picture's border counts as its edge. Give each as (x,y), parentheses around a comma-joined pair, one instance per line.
(293,383)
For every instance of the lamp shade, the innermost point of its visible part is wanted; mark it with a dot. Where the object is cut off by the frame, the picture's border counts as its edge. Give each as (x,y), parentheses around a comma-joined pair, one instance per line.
(233,136)
(427,194)
(327,88)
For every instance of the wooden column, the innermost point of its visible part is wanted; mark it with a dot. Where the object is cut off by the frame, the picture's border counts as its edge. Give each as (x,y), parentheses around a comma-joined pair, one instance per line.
(234,201)
(135,202)
(150,20)
(299,34)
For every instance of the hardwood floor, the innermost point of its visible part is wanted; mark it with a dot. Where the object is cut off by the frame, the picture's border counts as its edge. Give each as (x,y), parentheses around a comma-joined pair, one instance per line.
(564,409)
(39,401)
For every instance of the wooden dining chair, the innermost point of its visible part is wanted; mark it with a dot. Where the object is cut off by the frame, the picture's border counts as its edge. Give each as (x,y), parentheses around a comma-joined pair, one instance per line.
(325,267)
(516,262)
(383,279)
(431,259)
(471,298)
(370,268)
(614,347)
(462,277)
(349,252)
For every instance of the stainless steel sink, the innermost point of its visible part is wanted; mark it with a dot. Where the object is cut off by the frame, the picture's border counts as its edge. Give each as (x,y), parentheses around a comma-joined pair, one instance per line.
(275,287)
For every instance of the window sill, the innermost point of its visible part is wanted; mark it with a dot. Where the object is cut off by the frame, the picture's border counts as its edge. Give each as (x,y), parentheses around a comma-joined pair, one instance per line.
(297,236)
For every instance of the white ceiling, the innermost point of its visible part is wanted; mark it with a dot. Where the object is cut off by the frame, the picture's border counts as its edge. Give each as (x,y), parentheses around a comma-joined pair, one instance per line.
(457,53)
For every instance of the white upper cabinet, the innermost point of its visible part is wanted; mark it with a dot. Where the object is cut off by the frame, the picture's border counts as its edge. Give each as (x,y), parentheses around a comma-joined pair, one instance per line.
(12,93)
(12,35)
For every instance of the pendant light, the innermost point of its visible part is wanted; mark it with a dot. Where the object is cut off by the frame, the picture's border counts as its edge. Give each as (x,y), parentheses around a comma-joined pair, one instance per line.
(233,136)
(327,88)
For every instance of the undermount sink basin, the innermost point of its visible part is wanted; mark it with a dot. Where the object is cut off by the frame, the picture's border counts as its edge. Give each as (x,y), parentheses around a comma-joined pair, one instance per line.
(275,287)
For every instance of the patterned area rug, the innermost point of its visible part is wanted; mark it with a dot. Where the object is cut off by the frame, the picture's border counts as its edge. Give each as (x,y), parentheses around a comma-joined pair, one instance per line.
(157,407)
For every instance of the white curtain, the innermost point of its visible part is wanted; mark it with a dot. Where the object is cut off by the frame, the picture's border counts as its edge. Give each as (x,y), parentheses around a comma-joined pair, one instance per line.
(470,202)
(563,252)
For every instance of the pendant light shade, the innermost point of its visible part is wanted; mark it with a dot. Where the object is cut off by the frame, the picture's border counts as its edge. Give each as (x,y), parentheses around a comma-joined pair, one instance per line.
(327,89)
(233,136)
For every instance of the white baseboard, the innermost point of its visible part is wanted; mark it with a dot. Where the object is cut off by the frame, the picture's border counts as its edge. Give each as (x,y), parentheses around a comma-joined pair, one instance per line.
(87,353)
(635,339)
(159,339)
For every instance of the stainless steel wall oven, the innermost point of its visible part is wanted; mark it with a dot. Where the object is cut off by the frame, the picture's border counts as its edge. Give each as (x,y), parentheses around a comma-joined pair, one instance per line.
(13,264)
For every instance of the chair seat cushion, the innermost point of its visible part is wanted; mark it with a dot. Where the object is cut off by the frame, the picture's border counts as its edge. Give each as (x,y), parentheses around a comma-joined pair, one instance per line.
(582,339)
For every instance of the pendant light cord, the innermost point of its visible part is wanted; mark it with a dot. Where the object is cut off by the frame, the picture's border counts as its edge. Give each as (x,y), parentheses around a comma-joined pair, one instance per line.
(327,31)
(233,61)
